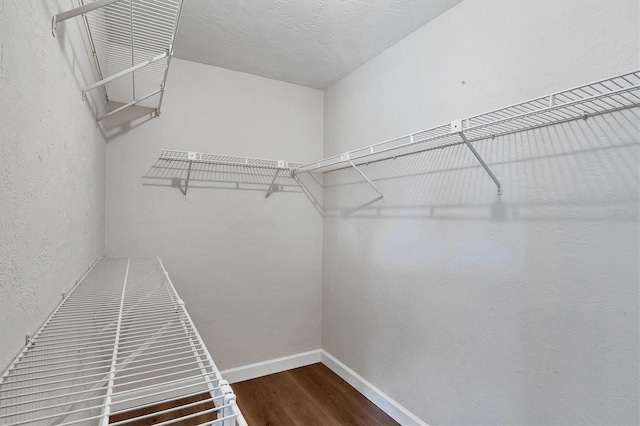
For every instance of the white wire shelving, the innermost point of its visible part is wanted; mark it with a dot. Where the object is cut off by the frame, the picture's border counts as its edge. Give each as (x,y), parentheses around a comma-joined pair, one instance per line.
(119,342)
(603,96)
(132,45)
(599,97)
(227,160)
(192,157)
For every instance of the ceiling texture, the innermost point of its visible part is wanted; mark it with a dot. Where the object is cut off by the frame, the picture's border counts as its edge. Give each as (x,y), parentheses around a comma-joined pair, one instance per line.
(313,43)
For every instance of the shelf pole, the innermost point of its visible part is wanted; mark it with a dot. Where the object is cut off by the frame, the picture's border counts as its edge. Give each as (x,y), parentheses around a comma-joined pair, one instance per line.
(367,179)
(484,165)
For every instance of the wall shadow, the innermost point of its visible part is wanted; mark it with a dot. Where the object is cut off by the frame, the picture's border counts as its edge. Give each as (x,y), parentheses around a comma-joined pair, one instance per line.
(171,173)
(571,171)
(579,170)
(126,120)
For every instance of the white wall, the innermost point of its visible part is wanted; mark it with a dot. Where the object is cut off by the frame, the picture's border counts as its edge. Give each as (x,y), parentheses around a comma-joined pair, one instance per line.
(249,270)
(52,168)
(466,307)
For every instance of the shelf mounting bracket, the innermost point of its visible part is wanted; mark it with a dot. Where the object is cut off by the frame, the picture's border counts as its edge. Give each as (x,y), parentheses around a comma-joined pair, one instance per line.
(78,11)
(191,156)
(125,106)
(365,177)
(456,127)
(272,187)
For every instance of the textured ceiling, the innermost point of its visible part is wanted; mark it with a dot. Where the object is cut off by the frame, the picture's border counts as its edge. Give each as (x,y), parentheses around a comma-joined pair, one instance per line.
(307,42)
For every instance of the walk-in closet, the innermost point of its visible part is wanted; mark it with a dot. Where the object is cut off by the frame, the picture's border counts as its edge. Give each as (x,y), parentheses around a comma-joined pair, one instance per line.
(330,212)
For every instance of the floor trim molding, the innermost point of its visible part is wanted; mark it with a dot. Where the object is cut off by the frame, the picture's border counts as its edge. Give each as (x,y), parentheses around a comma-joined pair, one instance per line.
(373,394)
(264,368)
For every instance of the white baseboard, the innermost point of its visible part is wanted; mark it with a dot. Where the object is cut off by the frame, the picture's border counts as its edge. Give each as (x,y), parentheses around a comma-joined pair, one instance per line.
(373,394)
(259,369)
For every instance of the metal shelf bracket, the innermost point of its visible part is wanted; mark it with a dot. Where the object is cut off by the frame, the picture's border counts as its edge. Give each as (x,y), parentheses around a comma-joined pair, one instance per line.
(456,127)
(191,156)
(60,17)
(273,186)
(367,179)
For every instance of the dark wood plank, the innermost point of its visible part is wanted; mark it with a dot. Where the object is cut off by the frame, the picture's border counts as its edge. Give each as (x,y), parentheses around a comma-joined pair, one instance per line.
(301,406)
(311,395)
(259,405)
(205,405)
(329,388)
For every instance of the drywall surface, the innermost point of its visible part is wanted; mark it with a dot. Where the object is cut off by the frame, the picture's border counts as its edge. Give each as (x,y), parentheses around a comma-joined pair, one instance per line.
(52,168)
(467,307)
(248,269)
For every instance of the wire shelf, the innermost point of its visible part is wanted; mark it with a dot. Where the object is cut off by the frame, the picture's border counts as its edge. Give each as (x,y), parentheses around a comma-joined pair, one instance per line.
(603,96)
(228,160)
(132,45)
(121,340)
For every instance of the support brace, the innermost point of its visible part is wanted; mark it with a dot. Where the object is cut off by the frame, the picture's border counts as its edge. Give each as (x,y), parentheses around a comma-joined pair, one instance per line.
(186,185)
(78,11)
(456,126)
(367,179)
(124,72)
(272,186)
(132,103)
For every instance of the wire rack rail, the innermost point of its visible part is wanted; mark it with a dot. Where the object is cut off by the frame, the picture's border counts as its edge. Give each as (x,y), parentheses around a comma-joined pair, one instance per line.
(227,160)
(191,157)
(121,341)
(599,97)
(132,46)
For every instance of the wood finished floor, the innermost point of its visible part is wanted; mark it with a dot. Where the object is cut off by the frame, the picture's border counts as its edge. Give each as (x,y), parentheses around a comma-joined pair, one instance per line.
(311,395)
